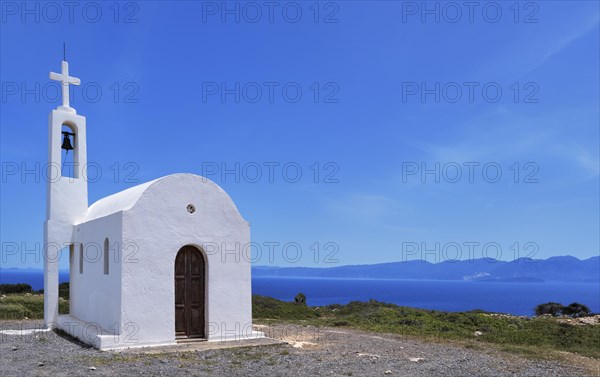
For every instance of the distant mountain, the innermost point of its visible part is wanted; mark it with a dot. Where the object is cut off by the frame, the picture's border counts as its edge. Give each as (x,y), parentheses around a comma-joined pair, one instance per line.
(562,269)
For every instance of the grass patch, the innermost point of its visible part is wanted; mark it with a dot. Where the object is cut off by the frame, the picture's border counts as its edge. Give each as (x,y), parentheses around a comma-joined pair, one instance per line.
(270,308)
(30,305)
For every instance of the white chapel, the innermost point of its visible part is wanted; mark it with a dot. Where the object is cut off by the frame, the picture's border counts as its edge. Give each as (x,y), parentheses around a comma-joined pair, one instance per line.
(150,265)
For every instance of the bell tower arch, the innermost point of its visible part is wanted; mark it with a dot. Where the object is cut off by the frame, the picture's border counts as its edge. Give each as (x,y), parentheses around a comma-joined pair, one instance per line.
(67,195)
(67,185)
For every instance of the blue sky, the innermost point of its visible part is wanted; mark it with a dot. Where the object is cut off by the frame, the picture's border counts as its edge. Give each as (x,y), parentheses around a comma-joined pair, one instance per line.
(159,92)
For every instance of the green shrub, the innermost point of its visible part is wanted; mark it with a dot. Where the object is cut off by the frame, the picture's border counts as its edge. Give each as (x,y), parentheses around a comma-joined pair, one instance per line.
(576,309)
(555,309)
(15,288)
(300,299)
(552,308)
(63,290)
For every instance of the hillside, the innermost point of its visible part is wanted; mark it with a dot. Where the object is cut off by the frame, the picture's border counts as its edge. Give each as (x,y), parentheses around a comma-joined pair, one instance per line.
(559,269)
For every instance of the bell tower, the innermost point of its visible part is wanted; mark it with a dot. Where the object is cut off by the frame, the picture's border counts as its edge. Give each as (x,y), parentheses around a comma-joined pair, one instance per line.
(67,196)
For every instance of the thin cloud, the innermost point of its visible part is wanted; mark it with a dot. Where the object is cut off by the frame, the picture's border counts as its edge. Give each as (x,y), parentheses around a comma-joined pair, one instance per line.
(561,43)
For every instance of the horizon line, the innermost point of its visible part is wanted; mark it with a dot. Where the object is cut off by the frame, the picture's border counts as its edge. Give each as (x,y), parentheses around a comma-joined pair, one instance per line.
(373,264)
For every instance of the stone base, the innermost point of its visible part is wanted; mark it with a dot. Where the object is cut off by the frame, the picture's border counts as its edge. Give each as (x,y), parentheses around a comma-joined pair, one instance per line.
(104,340)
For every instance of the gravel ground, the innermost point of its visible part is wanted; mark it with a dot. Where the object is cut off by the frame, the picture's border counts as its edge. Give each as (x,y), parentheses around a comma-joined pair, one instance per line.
(311,352)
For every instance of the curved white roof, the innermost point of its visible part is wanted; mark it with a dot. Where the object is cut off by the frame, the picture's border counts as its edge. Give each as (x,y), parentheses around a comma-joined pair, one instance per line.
(120,201)
(126,199)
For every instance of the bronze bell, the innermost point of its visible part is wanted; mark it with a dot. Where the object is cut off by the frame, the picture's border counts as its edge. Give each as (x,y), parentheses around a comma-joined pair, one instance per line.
(66,144)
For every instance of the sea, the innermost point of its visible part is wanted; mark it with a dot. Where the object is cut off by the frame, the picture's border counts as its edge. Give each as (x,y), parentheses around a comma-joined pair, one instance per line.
(455,296)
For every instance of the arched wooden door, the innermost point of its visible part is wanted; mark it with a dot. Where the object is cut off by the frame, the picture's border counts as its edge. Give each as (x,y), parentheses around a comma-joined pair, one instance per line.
(190,281)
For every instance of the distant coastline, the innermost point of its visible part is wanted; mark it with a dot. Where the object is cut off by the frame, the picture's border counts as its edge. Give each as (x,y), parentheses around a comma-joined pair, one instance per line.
(523,270)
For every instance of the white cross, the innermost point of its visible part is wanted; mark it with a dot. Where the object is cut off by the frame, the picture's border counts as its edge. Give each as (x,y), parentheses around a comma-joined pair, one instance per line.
(66,80)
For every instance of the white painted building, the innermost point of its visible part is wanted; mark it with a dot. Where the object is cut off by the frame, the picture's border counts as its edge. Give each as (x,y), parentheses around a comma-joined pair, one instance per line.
(164,261)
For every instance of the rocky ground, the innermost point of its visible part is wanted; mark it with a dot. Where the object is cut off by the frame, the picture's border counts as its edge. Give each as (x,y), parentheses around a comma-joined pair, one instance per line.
(311,352)
(585,321)
(590,320)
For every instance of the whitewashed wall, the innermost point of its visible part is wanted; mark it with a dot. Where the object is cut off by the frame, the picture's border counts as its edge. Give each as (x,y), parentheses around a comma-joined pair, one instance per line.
(151,223)
(96,297)
(159,225)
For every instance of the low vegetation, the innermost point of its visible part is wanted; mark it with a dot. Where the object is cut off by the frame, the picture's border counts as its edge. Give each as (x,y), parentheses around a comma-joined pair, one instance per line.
(15,288)
(28,305)
(267,307)
(534,337)
(20,301)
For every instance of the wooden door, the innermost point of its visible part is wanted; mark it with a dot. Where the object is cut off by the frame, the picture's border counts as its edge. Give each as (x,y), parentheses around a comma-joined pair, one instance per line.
(189,293)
